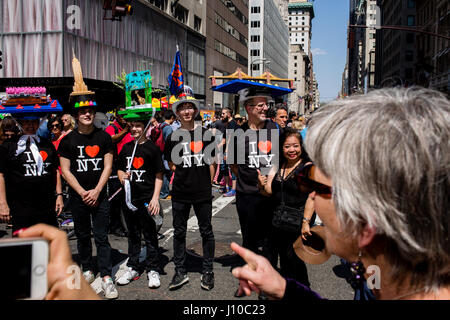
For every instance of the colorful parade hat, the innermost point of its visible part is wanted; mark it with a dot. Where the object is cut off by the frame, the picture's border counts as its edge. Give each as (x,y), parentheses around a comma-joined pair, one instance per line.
(81,96)
(186,96)
(137,113)
(251,89)
(28,103)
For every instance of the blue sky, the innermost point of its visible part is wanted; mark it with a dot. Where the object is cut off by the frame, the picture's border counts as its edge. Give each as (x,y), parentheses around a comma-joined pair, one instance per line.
(329,45)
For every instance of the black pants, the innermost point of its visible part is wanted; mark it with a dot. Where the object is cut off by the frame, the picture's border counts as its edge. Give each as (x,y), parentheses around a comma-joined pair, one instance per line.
(82,224)
(116,204)
(291,266)
(180,212)
(255,213)
(140,222)
(19,222)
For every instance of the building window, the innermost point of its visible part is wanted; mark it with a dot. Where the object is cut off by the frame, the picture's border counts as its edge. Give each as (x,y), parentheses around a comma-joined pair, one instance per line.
(255,67)
(255,24)
(254,53)
(408,73)
(255,9)
(254,38)
(197,23)
(411,21)
(411,3)
(409,55)
(295,57)
(409,38)
(295,71)
(162,4)
(295,64)
(181,14)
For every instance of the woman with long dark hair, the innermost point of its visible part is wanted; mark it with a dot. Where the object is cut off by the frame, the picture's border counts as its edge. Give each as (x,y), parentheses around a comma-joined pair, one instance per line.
(281,185)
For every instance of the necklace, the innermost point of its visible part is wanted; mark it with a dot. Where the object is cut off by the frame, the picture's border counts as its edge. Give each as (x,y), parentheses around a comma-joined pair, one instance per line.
(408,294)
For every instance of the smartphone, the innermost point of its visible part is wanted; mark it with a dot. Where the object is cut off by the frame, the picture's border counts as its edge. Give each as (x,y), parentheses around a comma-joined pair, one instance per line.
(24,267)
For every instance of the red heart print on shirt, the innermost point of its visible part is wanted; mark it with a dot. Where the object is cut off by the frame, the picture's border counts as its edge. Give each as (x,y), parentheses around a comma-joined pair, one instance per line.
(196,146)
(44,155)
(138,162)
(92,151)
(265,146)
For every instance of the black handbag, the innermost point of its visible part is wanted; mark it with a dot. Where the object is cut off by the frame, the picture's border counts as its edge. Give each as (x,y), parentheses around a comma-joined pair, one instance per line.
(287,218)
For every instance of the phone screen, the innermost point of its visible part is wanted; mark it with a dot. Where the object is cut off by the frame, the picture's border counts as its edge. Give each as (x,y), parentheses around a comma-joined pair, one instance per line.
(16,266)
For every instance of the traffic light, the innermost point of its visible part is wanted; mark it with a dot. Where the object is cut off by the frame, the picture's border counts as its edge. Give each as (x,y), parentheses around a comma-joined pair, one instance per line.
(119,9)
(1,55)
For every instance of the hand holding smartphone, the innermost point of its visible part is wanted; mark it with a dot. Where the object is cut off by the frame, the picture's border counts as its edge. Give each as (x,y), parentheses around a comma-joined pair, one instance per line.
(24,262)
(41,247)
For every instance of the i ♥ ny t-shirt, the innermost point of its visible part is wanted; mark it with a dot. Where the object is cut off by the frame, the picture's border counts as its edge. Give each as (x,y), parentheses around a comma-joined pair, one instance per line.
(27,192)
(259,154)
(86,153)
(147,162)
(192,181)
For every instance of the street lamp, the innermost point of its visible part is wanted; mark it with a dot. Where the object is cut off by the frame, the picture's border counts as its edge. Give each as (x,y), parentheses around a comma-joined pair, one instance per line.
(264,61)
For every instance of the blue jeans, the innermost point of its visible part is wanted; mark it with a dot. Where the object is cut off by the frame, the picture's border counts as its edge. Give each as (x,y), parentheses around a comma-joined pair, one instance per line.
(82,214)
(165,191)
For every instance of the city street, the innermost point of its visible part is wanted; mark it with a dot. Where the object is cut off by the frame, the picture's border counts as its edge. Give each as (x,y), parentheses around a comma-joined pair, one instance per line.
(226,229)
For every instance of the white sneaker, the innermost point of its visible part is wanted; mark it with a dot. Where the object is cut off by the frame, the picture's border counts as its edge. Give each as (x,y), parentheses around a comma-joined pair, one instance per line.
(128,276)
(89,276)
(109,289)
(153,279)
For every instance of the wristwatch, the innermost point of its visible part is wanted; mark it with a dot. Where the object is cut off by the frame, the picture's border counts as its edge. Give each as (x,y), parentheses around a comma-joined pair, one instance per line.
(306,219)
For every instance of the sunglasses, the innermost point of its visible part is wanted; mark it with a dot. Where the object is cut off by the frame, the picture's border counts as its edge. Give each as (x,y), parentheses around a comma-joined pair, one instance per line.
(307,184)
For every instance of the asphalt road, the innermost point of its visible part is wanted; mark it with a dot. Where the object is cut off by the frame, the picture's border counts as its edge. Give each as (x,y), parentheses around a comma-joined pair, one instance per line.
(327,279)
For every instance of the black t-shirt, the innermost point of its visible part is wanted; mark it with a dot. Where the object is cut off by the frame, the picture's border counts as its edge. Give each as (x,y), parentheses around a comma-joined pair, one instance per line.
(147,162)
(261,152)
(27,193)
(86,154)
(194,153)
(220,125)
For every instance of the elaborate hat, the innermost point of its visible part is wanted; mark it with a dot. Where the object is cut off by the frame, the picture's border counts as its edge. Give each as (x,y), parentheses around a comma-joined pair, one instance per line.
(81,96)
(137,113)
(312,250)
(28,103)
(186,96)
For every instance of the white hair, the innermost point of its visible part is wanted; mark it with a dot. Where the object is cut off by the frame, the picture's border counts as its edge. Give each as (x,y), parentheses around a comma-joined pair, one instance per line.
(387,154)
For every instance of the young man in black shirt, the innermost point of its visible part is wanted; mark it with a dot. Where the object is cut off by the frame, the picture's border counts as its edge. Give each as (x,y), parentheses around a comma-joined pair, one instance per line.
(192,164)
(142,166)
(257,148)
(86,156)
(30,183)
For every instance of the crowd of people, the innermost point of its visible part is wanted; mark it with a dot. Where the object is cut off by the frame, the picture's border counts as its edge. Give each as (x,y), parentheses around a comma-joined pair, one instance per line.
(372,173)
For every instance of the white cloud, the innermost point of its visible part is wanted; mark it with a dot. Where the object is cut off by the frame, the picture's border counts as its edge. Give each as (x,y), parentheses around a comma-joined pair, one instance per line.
(318,52)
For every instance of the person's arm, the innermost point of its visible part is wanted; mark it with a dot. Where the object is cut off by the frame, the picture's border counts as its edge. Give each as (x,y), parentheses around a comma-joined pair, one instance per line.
(4,208)
(123,176)
(92,195)
(258,275)
(118,137)
(153,206)
(172,166)
(70,178)
(64,277)
(307,214)
(59,206)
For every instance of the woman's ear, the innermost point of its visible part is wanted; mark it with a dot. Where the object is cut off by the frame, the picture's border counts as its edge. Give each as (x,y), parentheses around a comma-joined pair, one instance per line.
(366,236)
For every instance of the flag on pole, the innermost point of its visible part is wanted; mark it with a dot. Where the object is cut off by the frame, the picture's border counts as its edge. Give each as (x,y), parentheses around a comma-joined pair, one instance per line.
(175,79)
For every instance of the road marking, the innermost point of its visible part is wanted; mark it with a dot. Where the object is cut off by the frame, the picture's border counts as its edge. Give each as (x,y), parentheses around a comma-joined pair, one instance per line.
(119,269)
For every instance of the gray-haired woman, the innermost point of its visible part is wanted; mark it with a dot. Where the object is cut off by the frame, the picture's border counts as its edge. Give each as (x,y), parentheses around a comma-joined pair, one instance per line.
(380,186)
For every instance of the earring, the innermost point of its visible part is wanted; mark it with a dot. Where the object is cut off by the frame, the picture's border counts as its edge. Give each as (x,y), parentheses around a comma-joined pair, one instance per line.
(358,270)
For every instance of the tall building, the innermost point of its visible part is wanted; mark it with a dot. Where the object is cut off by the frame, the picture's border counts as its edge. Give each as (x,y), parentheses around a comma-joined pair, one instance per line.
(361,46)
(226,44)
(300,14)
(433,53)
(269,40)
(396,49)
(37,38)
